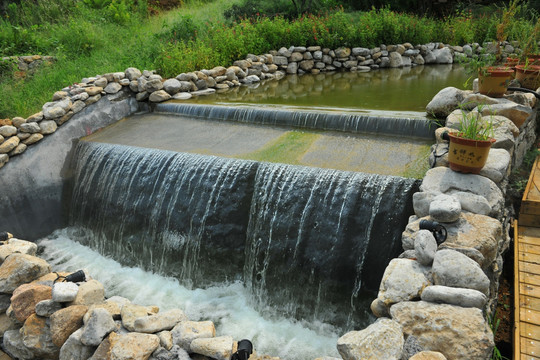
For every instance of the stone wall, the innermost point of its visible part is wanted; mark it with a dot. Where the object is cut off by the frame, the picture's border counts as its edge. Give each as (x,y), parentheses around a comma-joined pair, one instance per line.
(425,296)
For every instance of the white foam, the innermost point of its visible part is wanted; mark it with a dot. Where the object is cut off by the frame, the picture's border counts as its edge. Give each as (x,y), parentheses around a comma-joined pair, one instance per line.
(228,306)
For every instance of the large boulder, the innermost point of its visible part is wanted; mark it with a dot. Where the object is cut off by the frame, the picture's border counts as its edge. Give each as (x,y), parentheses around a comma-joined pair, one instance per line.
(443,180)
(25,298)
(100,323)
(14,346)
(90,292)
(186,331)
(446,101)
(65,322)
(74,349)
(133,346)
(445,208)
(219,348)
(517,113)
(380,340)
(36,335)
(160,321)
(20,269)
(458,333)
(14,245)
(131,312)
(454,269)
(403,279)
(443,56)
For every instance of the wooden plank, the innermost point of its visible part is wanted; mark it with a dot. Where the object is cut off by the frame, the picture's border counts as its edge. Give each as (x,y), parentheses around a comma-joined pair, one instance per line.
(529,331)
(529,257)
(530,316)
(529,302)
(530,347)
(529,267)
(529,290)
(526,232)
(517,343)
(529,220)
(526,357)
(533,249)
(529,278)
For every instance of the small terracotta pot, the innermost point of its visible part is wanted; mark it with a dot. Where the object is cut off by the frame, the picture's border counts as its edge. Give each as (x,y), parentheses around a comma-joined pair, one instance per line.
(466,155)
(528,76)
(493,81)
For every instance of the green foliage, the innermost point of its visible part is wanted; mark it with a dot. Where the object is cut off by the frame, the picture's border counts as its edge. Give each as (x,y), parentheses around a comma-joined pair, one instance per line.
(97,4)
(472,126)
(182,29)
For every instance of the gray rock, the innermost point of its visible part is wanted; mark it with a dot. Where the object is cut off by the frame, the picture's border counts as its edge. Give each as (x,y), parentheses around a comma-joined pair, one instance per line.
(64,291)
(160,321)
(429,57)
(37,117)
(100,323)
(395,60)
(101,82)
(186,331)
(18,150)
(292,68)
(380,340)
(359,51)
(14,346)
(74,349)
(172,86)
(281,60)
(113,88)
(443,180)
(154,85)
(452,268)
(473,100)
(19,269)
(403,279)
(47,127)
(517,113)
(411,347)
(454,296)
(250,79)
(142,96)
(203,92)
(445,208)
(79,105)
(159,96)
(46,308)
(29,128)
(379,308)
(9,145)
(443,56)
(425,247)
(56,109)
(458,333)
(182,96)
(421,202)
(446,101)
(8,130)
(497,165)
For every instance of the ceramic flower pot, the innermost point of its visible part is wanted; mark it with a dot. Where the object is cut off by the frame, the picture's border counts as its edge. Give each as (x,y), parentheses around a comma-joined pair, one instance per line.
(493,81)
(466,155)
(528,76)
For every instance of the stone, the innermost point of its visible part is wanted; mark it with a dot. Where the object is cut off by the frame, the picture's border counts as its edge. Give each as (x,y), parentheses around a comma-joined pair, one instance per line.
(4,122)
(36,335)
(292,68)
(5,302)
(30,128)
(8,130)
(46,308)
(18,121)
(411,347)
(14,245)
(445,101)
(100,323)
(133,73)
(172,86)
(454,269)
(160,321)
(142,96)
(474,203)
(56,109)
(159,96)
(497,165)
(456,332)
(64,291)
(380,340)
(203,92)
(63,119)
(454,296)
(78,105)
(19,269)
(359,51)
(47,127)
(9,144)
(186,331)
(93,90)
(92,99)
(119,301)
(166,339)
(65,322)
(403,279)
(74,349)
(250,79)
(110,306)
(219,348)
(25,298)
(425,247)
(113,88)
(296,56)
(342,52)
(444,208)
(131,312)
(396,60)
(182,96)
(4,159)
(90,292)
(17,151)
(15,347)
(34,138)
(443,56)
(133,346)
(101,82)
(518,114)
(428,355)
(473,100)
(59,95)
(379,308)
(446,181)
(307,65)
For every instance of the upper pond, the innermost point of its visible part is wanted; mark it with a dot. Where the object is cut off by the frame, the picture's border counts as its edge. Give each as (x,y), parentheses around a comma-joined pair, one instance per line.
(394,92)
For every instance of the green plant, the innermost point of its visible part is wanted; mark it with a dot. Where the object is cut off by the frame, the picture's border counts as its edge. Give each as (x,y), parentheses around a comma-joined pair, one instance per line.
(508,14)
(472,126)
(494,323)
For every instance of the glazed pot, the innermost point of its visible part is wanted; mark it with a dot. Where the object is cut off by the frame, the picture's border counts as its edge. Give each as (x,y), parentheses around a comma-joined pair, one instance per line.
(493,81)
(528,76)
(466,155)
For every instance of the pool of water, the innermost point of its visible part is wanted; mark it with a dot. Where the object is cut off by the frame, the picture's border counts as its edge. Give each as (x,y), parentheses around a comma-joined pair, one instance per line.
(402,90)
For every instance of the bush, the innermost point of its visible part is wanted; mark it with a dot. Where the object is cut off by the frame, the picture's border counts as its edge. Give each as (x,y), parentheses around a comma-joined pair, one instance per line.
(182,29)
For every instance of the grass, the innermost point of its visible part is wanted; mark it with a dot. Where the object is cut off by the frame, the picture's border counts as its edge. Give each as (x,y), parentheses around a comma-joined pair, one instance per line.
(288,148)
(418,168)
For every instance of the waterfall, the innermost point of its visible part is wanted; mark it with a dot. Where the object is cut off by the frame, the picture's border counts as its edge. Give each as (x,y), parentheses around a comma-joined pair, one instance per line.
(409,127)
(306,241)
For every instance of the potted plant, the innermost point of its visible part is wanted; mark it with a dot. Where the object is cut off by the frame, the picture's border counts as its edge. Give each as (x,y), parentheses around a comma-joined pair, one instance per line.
(492,80)
(470,143)
(528,71)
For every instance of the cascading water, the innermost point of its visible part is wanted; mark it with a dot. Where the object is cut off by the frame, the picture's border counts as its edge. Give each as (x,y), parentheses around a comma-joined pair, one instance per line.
(300,238)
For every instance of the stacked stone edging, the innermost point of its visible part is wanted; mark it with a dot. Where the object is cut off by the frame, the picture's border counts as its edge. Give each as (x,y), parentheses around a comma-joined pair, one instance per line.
(441,295)
(29,63)
(146,86)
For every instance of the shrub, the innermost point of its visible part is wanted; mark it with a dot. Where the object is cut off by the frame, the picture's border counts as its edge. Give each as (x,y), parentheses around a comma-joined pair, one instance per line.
(182,29)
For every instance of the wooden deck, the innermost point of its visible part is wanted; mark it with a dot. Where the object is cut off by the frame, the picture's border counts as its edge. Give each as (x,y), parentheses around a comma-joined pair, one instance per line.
(527,271)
